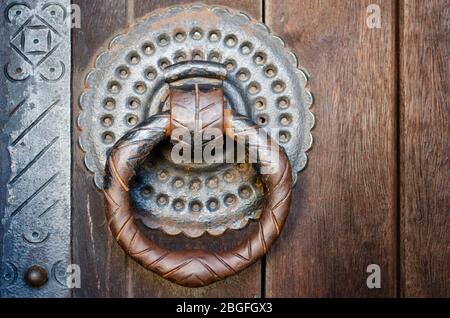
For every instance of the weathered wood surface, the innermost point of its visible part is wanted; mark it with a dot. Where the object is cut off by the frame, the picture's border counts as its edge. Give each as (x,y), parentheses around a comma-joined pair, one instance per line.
(424,155)
(106,270)
(344,206)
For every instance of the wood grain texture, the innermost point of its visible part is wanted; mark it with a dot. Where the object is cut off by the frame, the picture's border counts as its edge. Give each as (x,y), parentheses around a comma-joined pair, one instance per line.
(344,206)
(252,7)
(106,270)
(425,135)
(102,262)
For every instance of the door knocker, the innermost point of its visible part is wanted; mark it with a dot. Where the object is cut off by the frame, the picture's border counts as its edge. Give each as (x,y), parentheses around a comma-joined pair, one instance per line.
(196,69)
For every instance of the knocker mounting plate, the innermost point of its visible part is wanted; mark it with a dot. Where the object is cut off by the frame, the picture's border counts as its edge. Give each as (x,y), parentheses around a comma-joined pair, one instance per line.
(127,84)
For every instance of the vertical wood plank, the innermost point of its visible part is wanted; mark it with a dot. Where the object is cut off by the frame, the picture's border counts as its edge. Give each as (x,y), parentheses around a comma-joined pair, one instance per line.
(344,206)
(102,262)
(425,134)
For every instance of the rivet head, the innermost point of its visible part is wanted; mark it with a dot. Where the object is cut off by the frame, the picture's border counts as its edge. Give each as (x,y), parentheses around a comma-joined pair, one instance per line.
(36,276)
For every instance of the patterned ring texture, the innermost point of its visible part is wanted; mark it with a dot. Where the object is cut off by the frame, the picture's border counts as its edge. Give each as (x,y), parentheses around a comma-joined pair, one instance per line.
(192,268)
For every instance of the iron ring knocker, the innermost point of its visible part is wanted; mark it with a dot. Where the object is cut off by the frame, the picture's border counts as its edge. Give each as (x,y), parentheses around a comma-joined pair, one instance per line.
(193,268)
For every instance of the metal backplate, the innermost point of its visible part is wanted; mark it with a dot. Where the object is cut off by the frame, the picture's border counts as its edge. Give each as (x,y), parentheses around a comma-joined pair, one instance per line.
(127,84)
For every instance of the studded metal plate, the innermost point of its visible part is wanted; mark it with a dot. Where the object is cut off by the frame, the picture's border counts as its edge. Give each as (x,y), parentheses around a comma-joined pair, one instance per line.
(127,84)
(195,198)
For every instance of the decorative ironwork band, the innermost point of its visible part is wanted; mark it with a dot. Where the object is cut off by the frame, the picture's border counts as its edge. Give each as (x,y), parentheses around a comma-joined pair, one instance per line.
(34,146)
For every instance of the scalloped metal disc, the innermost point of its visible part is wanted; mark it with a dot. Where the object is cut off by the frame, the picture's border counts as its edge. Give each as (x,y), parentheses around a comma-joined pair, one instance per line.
(127,84)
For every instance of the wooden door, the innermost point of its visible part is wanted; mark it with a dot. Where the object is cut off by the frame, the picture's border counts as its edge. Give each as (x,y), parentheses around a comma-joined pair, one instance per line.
(375,190)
